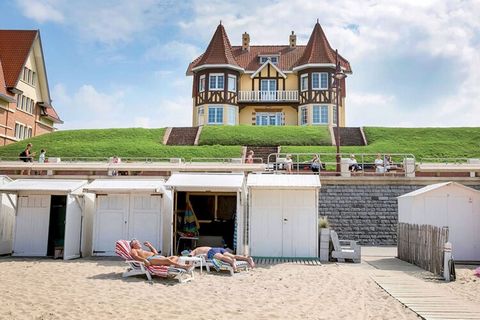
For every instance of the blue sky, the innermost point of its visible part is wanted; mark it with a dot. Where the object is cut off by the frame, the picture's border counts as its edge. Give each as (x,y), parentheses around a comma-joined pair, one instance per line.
(121,63)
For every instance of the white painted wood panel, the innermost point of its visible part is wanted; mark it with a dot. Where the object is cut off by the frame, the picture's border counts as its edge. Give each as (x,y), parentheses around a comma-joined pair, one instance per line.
(73,229)
(144,221)
(31,226)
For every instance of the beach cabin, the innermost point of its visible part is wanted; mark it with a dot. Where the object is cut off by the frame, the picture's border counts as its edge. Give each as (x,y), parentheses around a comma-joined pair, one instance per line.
(7,219)
(447,204)
(283,215)
(126,209)
(208,210)
(48,217)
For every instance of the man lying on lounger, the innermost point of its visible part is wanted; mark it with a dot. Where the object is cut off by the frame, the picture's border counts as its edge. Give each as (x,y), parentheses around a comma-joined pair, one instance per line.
(152,257)
(223,255)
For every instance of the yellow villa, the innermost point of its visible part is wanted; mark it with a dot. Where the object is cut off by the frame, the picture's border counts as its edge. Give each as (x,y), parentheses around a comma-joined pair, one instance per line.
(267,84)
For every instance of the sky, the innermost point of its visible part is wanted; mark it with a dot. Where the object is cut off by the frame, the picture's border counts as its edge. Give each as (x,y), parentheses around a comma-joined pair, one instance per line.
(122,63)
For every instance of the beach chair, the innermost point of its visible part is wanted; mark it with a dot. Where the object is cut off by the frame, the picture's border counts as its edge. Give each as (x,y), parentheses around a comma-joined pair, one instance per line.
(122,249)
(222,266)
(345,249)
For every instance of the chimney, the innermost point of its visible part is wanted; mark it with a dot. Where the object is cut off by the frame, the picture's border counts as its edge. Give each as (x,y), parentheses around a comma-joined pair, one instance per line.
(293,40)
(246,42)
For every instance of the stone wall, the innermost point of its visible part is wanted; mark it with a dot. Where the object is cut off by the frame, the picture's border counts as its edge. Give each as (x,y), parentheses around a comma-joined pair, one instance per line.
(367,213)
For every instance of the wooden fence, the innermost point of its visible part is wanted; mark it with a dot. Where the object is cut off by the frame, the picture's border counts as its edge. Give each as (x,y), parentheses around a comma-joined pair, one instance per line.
(422,245)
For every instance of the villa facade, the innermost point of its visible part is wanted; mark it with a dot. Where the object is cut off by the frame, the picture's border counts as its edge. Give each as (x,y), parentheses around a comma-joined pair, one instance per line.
(25,104)
(267,84)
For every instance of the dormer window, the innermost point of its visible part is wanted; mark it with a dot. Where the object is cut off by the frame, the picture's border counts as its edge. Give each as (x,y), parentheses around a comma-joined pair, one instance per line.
(273,59)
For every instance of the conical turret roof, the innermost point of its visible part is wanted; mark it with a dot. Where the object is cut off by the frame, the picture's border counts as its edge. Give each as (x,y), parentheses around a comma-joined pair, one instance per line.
(219,51)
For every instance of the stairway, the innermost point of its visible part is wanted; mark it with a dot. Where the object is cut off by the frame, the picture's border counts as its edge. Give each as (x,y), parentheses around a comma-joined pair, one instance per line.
(350,136)
(262,152)
(182,136)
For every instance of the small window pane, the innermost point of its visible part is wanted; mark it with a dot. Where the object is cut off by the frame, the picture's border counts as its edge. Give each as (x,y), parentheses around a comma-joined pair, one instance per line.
(213,82)
(323,80)
(304,82)
(220,82)
(232,83)
(315,80)
(316,114)
(324,114)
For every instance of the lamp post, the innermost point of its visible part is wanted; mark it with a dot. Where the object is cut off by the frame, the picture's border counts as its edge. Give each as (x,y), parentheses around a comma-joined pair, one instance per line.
(337,77)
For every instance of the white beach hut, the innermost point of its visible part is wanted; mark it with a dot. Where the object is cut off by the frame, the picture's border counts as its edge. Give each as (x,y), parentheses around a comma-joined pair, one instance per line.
(447,204)
(48,217)
(217,202)
(7,219)
(126,209)
(283,215)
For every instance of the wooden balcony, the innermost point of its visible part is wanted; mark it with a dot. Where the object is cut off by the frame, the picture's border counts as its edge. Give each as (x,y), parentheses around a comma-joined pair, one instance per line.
(268,96)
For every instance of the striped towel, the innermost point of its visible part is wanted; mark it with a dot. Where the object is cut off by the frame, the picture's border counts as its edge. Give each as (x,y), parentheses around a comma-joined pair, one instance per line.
(217,264)
(122,249)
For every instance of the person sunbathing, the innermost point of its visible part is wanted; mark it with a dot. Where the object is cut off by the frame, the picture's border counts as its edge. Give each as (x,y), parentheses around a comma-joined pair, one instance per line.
(223,255)
(152,257)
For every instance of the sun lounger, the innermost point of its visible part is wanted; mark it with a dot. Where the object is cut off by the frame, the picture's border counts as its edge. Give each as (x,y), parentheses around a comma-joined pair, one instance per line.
(122,249)
(222,266)
(345,249)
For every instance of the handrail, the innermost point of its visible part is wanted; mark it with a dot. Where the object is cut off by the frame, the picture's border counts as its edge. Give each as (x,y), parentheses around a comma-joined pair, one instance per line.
(277,95)
(224,160)
(446,160)
(298,159)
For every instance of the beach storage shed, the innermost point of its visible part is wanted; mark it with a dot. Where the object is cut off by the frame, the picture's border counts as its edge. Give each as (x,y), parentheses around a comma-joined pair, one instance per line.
(7,219)
(126,209)
(48,217)
(447,204)
(283,215)
(216,201)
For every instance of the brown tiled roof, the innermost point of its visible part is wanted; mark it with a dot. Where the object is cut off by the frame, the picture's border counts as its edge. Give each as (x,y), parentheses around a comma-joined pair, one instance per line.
(317,50)
(2,80)
(15,46)
(219,51)
(49,112)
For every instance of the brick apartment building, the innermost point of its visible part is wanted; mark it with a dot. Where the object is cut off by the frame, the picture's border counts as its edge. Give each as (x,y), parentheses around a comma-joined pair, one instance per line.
(25,105)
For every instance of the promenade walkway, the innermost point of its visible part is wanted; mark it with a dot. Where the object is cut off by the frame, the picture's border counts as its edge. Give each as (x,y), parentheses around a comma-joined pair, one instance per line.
(416,288)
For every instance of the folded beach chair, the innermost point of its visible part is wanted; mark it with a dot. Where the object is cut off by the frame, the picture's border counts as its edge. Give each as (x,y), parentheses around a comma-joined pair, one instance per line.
(222,266)
(345,249)
(122,249)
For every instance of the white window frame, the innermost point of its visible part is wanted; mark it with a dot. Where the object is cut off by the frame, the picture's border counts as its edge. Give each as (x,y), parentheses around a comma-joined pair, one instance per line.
(302,77)
(319,75)
(201,83)
(232,79)
(231,116)
(215,115)
(319,108)
(264,119)
(303,116)
(264,59)
(216,87)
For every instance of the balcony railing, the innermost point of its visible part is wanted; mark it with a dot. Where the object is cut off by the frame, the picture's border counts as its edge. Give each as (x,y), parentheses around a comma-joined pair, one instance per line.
(259,96)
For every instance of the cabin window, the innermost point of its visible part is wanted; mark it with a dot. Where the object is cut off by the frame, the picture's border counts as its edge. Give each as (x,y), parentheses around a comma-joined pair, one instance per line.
(273,59)
(269,119)
(303,115)
(201,83)
(320,81)
(304,82)
(232,116)
(215,115)
(232,83)
(320,114)
(217,81)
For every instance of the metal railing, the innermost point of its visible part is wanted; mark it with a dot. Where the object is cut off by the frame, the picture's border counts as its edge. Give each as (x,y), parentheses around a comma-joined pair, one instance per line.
(279,95)
(301,163)
(238,160)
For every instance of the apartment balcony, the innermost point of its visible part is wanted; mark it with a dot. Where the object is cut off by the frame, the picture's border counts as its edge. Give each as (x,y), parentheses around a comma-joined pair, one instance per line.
(268,96)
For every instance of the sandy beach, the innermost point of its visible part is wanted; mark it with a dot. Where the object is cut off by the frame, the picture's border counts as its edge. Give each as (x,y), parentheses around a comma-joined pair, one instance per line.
(94,289)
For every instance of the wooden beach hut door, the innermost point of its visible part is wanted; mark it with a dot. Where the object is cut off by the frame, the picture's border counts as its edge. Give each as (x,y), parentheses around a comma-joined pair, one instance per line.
(463,233)
(283,223)
(111,222)
(32,224)
(73,229)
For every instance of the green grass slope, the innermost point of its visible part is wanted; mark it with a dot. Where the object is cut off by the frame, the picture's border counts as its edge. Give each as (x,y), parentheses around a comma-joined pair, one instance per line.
(265,136)
(421,142)
(104,143)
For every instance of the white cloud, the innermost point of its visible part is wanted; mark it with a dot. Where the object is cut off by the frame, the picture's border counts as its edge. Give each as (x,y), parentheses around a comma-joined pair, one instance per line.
(41,11)
(107,21)
(173,50)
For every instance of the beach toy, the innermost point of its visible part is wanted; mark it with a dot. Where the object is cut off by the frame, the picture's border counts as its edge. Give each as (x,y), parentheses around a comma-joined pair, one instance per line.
(477,272)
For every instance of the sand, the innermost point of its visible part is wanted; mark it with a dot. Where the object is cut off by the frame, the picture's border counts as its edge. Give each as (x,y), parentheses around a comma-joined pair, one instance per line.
(94,289)
(467,285)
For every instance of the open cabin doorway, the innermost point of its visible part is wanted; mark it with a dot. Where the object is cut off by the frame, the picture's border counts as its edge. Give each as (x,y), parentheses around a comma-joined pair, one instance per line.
(56,230)
(215,213)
